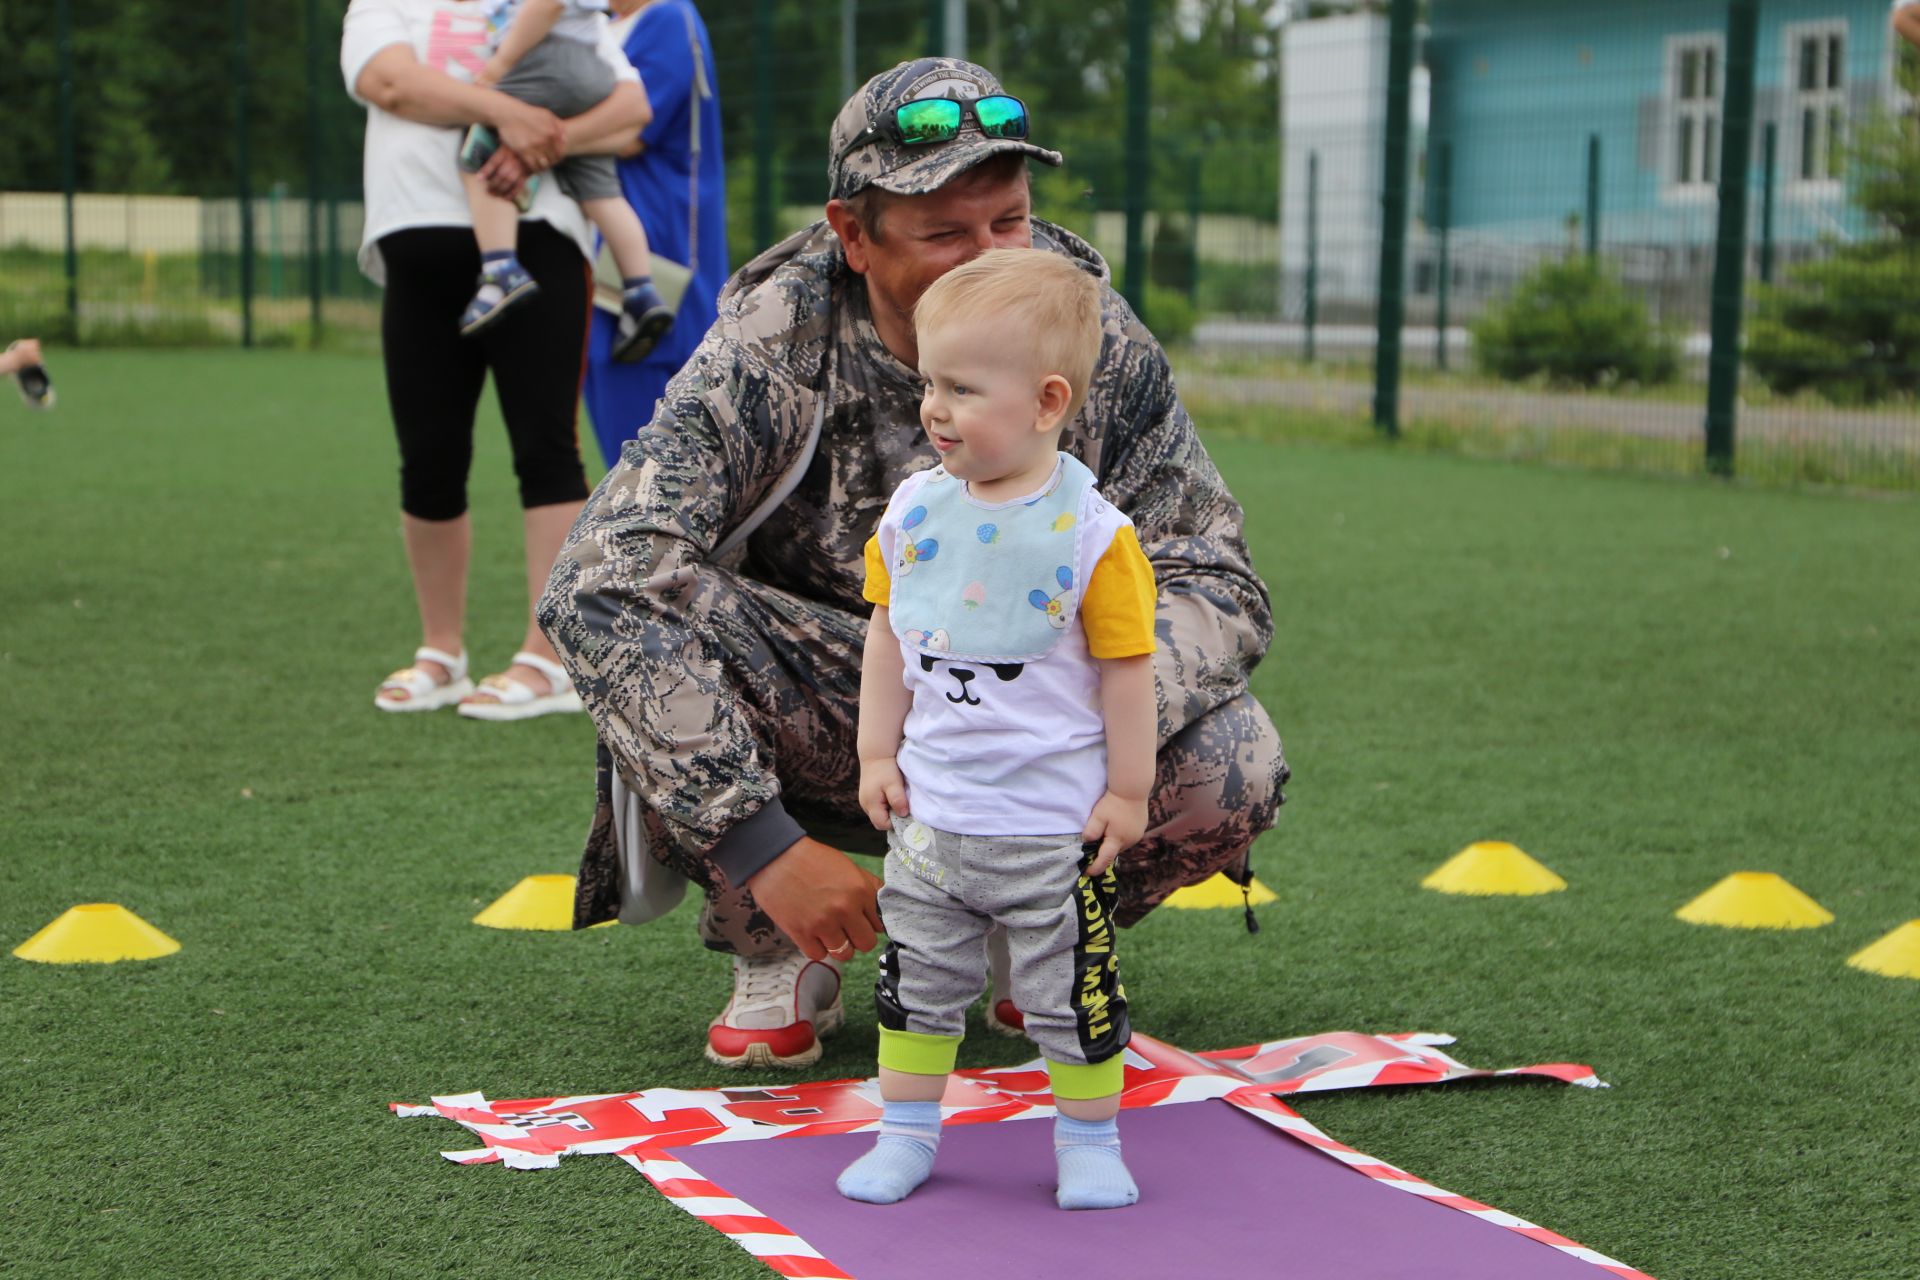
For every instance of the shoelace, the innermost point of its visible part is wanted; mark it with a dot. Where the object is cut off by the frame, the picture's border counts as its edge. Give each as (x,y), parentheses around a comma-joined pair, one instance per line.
(766,981)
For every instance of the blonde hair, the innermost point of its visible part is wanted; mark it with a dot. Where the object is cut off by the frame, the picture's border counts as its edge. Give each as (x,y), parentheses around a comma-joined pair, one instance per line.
(1053,301)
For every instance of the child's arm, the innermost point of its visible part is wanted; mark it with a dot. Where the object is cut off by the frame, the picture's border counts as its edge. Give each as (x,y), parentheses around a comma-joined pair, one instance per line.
(602,129)
(399,83)
(1132,714)
(883,715)
(530,27)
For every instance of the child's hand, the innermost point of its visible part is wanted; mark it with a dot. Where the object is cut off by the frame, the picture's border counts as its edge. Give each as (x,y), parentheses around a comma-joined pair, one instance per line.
(492,74)
(883,792)
(505,175)
(1116,823)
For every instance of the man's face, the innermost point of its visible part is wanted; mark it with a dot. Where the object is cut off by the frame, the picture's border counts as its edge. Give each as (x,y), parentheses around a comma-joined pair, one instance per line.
(924,237)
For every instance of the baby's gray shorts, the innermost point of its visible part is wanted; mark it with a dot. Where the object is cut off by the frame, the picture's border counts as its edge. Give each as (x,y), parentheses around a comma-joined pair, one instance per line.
(568,77)
(944,891)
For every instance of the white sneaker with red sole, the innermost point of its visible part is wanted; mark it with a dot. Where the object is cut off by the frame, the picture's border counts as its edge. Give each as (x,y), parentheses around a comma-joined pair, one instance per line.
(782,1005)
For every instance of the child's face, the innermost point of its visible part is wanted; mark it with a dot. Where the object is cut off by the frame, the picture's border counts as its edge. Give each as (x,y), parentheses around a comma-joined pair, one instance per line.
(986,409)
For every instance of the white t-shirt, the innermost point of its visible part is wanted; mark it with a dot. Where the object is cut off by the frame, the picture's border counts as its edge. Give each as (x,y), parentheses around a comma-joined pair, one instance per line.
(410,177)
(1014,750)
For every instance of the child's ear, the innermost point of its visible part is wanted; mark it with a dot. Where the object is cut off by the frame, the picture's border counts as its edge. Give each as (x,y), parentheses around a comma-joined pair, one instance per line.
(1056,393)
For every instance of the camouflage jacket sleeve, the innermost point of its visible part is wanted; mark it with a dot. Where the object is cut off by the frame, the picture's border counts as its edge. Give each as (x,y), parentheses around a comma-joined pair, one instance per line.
(628,606)
(1214,619)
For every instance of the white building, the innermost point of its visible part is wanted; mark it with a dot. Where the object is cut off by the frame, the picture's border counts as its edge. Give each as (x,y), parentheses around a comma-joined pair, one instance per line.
(1333,106)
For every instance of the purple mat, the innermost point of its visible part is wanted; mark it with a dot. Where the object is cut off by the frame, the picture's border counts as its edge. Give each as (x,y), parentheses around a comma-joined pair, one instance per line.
(1221,1194)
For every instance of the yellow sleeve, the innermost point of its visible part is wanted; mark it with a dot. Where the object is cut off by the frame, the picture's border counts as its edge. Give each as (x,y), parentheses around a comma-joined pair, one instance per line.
(879,588)
(1117,609)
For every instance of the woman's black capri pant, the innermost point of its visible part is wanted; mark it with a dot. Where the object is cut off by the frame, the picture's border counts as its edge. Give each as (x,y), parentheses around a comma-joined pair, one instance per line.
(537,353)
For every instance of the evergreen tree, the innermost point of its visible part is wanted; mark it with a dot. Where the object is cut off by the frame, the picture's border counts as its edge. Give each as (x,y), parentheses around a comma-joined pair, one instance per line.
(1846,325)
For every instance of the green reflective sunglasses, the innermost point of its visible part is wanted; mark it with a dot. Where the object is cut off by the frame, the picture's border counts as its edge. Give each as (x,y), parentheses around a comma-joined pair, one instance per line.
(925,121)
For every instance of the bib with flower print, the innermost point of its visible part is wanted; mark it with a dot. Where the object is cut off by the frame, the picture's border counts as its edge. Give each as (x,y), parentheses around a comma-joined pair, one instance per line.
(988,582)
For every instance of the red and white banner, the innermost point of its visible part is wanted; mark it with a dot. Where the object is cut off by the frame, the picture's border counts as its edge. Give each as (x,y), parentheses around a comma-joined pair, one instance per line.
(641,1127)
(1350,1060)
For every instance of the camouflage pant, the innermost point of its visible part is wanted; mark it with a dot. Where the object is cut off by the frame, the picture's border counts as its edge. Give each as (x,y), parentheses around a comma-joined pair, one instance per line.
(795,665)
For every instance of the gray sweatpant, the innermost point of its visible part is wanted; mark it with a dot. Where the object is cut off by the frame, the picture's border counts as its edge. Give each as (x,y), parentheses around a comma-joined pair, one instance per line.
(567,77)
(944,891)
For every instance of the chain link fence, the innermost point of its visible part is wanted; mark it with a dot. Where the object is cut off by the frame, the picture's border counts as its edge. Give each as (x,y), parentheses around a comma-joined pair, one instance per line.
(1577,232)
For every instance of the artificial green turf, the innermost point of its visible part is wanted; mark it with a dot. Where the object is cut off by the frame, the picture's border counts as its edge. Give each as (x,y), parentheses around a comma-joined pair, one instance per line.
(1646,684)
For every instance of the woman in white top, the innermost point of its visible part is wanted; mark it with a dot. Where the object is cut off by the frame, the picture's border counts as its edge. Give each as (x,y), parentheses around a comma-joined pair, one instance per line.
(412,63)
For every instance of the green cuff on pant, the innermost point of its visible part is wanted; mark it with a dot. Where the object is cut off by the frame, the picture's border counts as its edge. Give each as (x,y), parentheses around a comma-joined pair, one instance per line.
(1077,1083)
(921,1055)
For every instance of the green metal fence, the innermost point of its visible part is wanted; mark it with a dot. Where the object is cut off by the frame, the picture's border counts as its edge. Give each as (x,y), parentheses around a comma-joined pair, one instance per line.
(1664,234)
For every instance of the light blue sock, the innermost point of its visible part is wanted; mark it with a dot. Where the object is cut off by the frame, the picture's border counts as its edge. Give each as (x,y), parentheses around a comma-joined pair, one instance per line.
(1092,1174)
(900,1160)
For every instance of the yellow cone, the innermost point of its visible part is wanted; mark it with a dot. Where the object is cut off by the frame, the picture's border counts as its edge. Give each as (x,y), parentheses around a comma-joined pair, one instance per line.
(1218,892)
(1491,867)
(96,933)
(1896,956)
(537,902)
(1755,900)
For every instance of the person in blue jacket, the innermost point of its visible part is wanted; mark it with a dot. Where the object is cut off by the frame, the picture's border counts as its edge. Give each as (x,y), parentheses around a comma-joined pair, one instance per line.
(679,191)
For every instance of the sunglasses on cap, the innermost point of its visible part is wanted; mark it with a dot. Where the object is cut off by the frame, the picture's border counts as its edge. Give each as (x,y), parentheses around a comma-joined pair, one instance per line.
(925,121)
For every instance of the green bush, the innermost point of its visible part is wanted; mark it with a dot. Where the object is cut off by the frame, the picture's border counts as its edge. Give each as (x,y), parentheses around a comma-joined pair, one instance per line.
(1847,327)
(1170,316)
(1239,289)
(1574,324)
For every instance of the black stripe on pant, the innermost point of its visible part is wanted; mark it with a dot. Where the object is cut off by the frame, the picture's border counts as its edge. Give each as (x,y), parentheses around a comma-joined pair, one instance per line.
(1099,1001)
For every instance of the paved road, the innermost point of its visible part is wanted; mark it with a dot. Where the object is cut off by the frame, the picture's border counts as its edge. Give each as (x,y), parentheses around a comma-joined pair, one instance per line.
(1893,432)
(1417,342)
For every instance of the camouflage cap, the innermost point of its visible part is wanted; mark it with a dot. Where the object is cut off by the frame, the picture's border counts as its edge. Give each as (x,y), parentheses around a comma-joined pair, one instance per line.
(912,171)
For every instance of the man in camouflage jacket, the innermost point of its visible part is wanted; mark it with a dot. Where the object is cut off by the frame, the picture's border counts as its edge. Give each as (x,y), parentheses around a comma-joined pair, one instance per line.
(708,603)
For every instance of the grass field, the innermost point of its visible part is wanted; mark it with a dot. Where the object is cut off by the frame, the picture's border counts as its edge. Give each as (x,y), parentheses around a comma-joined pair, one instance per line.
(1645,683)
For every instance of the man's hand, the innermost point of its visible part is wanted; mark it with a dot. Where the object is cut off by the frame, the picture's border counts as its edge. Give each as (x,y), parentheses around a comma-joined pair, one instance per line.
(1116,823)
(535,132)
(505,174)
(820,899)
(883,792)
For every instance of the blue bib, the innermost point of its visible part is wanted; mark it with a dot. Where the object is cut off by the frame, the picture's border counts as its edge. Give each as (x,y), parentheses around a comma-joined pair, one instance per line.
(990,583)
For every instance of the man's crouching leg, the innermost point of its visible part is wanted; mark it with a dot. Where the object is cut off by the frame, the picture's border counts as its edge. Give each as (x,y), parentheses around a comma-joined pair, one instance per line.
(794,665)
(1216,786)
(781,1003)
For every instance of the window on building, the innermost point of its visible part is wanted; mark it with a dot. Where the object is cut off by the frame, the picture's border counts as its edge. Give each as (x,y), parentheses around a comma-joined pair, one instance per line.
(1694,76)
(1816,122)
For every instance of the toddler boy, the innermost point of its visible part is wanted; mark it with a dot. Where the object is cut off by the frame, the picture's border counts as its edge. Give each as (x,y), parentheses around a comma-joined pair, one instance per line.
(1008,721)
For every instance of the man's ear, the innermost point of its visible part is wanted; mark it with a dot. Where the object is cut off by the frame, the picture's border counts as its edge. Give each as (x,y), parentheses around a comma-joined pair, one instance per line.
(853,236)
(1056,393)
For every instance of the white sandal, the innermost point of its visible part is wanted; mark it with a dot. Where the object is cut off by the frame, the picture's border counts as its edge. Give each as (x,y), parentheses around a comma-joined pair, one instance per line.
(514,700)
(423,693)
